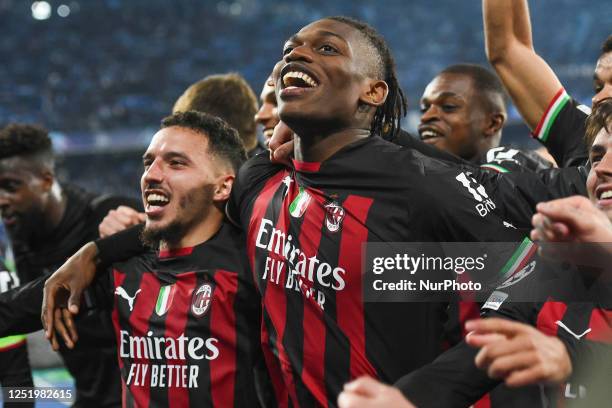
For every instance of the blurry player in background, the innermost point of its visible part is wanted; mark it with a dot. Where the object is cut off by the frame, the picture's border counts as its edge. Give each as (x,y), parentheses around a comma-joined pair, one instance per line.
(47,221)
(267,115)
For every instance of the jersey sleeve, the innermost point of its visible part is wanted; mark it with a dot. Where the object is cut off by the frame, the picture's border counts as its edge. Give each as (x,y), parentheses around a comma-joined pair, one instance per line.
(561,129)
(20,308)
(251,178)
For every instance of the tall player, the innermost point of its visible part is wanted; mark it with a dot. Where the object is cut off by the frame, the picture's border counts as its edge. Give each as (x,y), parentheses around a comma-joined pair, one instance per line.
(557,120)
(186,313)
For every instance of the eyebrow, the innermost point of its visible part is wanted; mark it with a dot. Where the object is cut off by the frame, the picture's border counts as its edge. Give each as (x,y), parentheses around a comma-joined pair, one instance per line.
(325,33)
(167,155)
(597,148)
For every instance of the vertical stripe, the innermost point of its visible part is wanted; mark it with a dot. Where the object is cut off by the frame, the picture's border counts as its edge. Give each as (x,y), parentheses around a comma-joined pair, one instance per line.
(223,327)
(118,279)
(273,366)
(176,324)
(548,315)
(601,326)
(484,402)
(313,369)
(144,305)
(350,308)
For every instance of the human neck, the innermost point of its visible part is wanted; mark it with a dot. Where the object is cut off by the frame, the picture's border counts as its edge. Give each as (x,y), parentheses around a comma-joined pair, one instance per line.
(55,208)
(319,147)
(199,233)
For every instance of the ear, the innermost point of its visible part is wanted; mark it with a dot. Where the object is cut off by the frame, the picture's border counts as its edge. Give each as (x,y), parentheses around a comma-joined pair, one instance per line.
(495,121)
(375,92)
(47,180)
(223,187)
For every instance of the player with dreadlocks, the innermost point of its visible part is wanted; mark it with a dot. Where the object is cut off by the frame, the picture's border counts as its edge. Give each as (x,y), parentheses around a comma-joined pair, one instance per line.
(305,226)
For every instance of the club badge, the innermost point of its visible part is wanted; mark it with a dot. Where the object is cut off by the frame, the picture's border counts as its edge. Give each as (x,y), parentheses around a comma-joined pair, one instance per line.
(202,299)
(334,214)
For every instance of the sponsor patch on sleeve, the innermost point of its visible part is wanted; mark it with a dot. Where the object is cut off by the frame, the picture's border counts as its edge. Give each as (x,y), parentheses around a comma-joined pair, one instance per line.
(495,301)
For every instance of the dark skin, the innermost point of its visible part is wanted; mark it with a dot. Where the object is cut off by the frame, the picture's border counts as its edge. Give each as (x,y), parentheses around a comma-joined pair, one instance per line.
(31,201)
(457,118)
(339,109)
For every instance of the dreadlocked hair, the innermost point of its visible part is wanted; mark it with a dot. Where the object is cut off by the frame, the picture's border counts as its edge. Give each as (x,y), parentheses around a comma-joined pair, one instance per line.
(388,116)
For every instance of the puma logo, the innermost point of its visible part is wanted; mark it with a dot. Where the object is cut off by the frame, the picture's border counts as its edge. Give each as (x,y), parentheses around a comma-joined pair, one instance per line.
(121,292)
(567,329)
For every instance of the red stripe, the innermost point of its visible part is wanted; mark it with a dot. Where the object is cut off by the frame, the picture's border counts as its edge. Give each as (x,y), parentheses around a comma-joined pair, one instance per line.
(144,305)
(484,402)
(176,252)
(550,105)
(118,281)
(311,167)
(601,326)
(177,316)
(349,302)
(467,311)
(274,369)
(223,327)
(313,369)
(549,314)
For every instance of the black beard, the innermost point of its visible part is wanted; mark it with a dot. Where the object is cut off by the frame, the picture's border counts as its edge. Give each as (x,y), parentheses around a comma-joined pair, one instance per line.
(176,230)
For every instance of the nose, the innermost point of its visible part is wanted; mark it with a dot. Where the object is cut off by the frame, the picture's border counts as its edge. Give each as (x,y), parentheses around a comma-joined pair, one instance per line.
(604,169)
(264,114)
(154,173)
(605,92)
(431,113)
(299,53)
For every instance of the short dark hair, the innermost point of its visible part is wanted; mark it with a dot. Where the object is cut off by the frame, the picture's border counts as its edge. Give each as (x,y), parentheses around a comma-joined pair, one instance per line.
(600,118)
(28,141)
(388,116)
(485,82)
(223,140)
(227,96)
(606,47)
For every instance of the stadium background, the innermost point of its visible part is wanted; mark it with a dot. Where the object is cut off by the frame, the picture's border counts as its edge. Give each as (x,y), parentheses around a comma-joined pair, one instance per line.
(100,74)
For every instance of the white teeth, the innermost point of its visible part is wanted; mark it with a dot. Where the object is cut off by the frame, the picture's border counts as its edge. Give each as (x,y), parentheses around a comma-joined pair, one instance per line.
(156,198)
(426,134)
(606,194)
(299,75)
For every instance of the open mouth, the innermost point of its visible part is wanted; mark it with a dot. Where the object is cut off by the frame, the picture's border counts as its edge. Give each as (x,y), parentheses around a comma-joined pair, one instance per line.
(155,201)
(297,80)
(429,134)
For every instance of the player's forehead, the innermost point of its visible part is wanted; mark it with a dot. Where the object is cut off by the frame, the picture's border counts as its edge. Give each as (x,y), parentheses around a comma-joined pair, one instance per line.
(178,139)
(450,85)
(603,139)
(328,28)
(603,68)
(16,168)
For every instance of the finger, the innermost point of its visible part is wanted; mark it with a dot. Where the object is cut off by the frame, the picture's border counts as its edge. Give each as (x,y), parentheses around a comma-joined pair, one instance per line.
(568,210)
(49,294)
(141,217)
(502,367)
(74,301)
(61,329)
(348,399)
(69,322)
(366,386)
(480,340)
(491,352)
(54,342)
(496,325)
(283,153)
(282,134)
(527,376)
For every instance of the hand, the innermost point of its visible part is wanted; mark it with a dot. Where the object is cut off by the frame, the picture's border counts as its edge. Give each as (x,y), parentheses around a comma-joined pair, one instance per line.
(571,219)
(518,353)
(62,295)
(367,392)
(119,219)
(281,144)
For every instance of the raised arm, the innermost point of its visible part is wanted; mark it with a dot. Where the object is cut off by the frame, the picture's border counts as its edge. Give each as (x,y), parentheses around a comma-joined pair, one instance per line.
(530,81)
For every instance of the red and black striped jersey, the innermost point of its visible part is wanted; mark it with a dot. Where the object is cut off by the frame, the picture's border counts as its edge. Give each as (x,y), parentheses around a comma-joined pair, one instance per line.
(559,300)
(187,325)
(305,230)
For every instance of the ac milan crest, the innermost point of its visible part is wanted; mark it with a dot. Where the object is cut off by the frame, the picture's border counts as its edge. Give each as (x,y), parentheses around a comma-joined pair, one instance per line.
(202,299)
(334,214)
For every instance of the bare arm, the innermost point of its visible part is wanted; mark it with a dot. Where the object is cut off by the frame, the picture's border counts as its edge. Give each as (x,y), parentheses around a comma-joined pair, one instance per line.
(530,81)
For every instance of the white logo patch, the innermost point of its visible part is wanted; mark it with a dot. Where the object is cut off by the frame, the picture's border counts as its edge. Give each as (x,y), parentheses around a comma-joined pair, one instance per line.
(495,301)
(122,293)
(519,276)
(567,329)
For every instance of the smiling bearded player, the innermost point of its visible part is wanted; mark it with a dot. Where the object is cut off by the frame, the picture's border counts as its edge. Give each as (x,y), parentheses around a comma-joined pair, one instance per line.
(337,89)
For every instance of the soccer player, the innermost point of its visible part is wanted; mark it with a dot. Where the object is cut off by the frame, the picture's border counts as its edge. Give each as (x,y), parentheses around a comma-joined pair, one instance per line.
(336,88)
(47,222)
(186,313)
(572,338)
(463,112)
(557,120)
(229,97)
(267,115)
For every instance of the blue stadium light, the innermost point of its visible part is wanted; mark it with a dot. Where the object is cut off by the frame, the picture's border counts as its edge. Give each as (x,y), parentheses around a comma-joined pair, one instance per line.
(63,10)
(41,10)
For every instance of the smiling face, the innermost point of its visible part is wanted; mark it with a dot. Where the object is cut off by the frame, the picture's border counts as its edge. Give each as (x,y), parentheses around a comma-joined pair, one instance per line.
(599,181)
(602,78)
(323,77)
(453,117)
(177,184)
(267,116)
